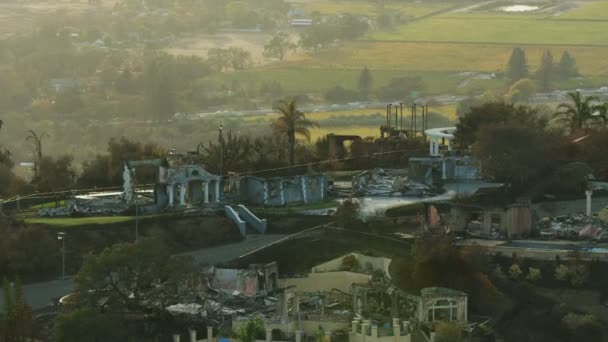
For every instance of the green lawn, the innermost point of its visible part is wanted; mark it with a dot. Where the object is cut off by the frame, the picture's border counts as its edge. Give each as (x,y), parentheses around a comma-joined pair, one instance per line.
(501,29)
(48,205)
(292,209)
(78,221)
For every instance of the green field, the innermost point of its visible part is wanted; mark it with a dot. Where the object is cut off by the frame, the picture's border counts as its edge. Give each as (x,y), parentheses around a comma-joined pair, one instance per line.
(306,80)
(405,9)
(594,11)
(441,47)
(499,29)
(442,57)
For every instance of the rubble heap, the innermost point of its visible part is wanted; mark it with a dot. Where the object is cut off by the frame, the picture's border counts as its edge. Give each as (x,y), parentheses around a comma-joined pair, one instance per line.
(574,227)
(380,182)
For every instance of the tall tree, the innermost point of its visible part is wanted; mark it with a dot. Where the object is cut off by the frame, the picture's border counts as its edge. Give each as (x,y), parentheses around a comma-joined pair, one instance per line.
(546,71)
(566,67)
(5,154)
(136,277)
(580,111)
(517,67)
(36,141)
(278,46)
(292,122)
(236,153)
(478,116)
(240,58)
(365,82)
(56,174)
(515,153)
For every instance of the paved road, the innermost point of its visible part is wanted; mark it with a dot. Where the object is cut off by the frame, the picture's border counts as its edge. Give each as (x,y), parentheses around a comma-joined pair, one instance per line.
(229,252)
(41,295)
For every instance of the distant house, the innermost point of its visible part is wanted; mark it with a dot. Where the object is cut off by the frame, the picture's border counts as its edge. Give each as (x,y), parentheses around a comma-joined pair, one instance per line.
(62,84)
(301,22)
(279,191)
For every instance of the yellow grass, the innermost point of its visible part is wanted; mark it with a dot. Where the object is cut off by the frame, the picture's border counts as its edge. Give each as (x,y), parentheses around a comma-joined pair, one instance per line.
(448,110)
(354,112)
(412,56)
(316,116)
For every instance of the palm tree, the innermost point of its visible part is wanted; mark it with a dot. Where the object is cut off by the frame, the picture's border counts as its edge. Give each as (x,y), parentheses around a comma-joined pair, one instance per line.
(580,111)
(291,122)
(36,141)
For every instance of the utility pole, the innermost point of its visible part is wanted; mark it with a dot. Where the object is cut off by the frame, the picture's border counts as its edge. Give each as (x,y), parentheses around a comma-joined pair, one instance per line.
(61,237)
(221,142)
(588,194)
(136,209)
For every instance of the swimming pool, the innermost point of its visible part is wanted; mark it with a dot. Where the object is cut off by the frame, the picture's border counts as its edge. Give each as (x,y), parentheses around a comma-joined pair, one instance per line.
(555,246)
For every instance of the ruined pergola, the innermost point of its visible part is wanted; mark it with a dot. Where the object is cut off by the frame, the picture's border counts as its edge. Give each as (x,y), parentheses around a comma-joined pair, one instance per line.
(438,137)
(192,178)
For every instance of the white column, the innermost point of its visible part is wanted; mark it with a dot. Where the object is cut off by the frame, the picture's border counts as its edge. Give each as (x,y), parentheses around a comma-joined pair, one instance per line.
(268,335)
(323,188)
(397,332)
(217,191)
(449,145)
(209,334)
(176,338)
(374,332)
(206,192)
(298,336)
(182,194)
(431,148)
(588,193)
(192,335)
(443,169)
(436,146)
(303,180)
(170,190)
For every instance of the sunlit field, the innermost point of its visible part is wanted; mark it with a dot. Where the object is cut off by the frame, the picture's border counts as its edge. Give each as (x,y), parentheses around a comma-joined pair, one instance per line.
(445,56)
(406,9)
(499,29)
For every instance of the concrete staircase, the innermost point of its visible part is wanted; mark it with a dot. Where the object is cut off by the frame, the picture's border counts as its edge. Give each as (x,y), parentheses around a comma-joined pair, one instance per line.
(243,217)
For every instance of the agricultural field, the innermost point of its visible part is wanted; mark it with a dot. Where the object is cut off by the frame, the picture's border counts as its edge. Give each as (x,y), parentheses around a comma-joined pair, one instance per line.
(405,9)
(592,11)
(297,80)
(362,122)
(19,16)
(499,29)
(452,57)
(444,48)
